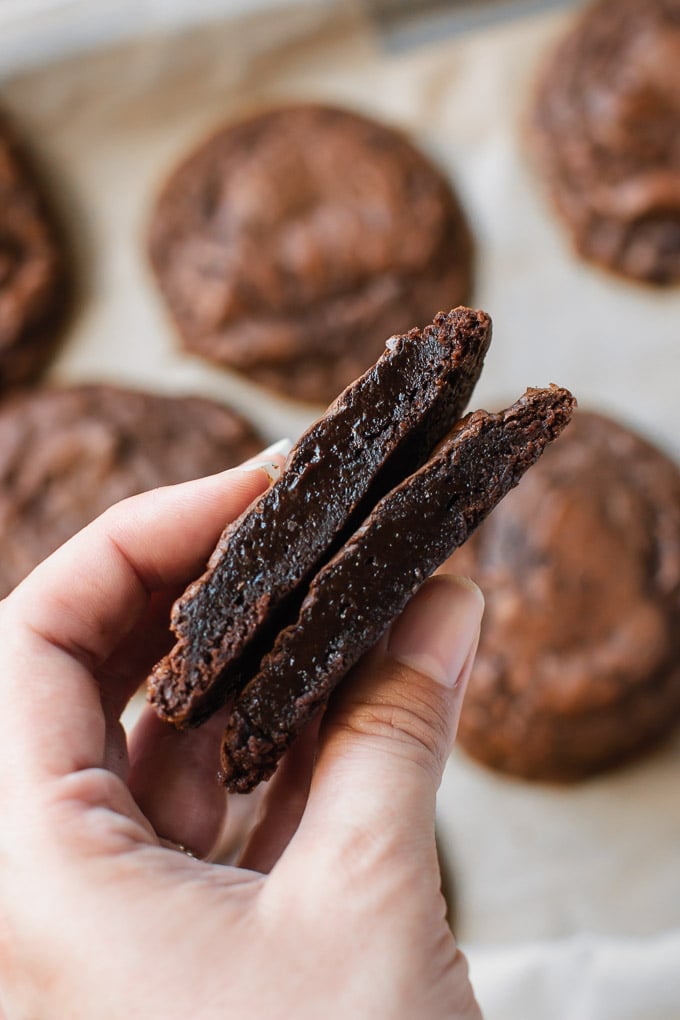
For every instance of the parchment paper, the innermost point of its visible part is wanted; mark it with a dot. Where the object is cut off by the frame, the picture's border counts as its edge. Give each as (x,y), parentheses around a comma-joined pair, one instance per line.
(531,863)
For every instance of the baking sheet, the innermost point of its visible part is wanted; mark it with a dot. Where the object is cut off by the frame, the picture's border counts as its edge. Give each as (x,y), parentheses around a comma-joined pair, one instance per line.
(530,862)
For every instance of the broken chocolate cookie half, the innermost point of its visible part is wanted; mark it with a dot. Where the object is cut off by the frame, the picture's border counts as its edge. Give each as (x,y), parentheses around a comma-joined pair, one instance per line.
(374,497)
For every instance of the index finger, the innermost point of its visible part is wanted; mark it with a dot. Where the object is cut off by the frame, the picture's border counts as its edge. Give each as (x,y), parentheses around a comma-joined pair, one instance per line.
(73,610)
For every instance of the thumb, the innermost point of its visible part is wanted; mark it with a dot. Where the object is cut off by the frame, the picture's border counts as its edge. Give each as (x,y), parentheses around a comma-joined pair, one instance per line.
(388,733)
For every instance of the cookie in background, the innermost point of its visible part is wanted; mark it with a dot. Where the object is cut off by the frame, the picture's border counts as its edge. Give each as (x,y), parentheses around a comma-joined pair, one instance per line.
(36,292)
(578,667)
(606,128)
(291,243)
(66,454)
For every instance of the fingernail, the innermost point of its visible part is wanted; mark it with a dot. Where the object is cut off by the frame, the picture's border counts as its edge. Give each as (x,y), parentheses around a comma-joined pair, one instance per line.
(439,628)
(273,471)
(265,462)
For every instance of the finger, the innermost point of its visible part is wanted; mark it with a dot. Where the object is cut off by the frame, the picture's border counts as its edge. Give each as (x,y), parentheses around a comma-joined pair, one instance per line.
(89,593)
(173,778)
(124,672)
(387,735)
(66,618)
(283,805)
(150,638)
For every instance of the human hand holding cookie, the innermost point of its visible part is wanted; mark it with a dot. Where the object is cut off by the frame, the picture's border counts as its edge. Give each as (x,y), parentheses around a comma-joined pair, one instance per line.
(99,919)
(343,858)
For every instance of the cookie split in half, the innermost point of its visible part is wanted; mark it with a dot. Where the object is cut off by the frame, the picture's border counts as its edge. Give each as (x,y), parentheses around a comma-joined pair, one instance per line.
(354,597)
(315,570)
(380,428)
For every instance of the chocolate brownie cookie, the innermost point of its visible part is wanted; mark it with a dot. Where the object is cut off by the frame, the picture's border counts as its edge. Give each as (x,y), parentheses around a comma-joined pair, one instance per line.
(353,599)
(34,279)
(67,454)
(290,244)
(607,120)
(579,660)
(381,428)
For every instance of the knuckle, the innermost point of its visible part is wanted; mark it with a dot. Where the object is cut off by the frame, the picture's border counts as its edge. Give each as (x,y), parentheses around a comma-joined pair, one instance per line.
(410,718)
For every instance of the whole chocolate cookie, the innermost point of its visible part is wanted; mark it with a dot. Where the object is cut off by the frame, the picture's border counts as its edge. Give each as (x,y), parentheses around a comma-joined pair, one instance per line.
(67,454)
(607,123)
(579,659)
(290,244)
(35,292)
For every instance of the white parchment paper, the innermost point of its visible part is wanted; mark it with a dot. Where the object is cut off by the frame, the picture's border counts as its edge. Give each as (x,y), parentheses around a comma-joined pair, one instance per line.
(557,889)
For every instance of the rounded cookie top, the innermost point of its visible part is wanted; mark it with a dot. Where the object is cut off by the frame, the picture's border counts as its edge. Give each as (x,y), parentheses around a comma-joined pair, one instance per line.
(67,454)
(290,245)
(34,278)
(607,124)
(579,657)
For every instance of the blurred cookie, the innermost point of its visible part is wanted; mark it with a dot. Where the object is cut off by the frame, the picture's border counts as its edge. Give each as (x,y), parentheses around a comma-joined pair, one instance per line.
(34,282)
(579,658)
(67,454)
(607,124)
(290,244)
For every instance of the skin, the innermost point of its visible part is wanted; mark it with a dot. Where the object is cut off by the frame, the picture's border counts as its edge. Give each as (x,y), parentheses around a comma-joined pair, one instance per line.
(335,908)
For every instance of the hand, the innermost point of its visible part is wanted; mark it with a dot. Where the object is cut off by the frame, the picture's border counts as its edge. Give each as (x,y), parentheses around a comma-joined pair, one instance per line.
(335,911)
